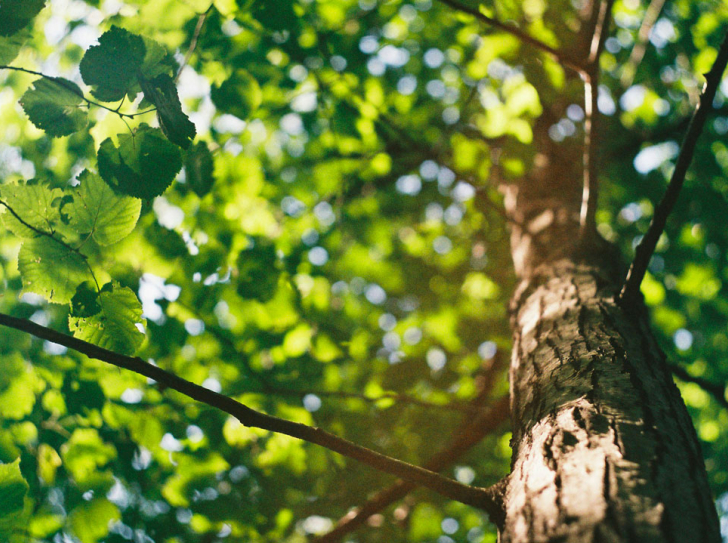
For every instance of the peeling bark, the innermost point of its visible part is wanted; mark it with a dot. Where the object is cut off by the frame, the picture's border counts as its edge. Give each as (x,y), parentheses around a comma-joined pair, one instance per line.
(603,447)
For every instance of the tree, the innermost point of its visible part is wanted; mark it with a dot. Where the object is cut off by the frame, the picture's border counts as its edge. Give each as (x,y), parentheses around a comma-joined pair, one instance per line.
(312,214)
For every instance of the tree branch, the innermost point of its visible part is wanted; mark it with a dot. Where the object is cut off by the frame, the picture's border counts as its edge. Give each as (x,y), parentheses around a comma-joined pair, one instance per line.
(480,498)
(646,248)
(714,389)
(467,436)
(643,36)
(193,43)
(590,194)
(557,55)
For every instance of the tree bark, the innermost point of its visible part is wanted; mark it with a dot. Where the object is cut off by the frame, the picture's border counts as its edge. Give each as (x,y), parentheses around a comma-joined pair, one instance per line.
(603,447)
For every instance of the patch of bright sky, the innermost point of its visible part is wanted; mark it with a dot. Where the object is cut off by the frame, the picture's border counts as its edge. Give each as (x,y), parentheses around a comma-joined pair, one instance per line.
(651,158)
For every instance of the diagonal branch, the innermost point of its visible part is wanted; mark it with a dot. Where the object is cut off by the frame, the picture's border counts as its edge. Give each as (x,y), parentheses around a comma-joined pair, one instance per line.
(480,498)
(643,37)
(472,431)
(558,56)
(470,435)
(646,248)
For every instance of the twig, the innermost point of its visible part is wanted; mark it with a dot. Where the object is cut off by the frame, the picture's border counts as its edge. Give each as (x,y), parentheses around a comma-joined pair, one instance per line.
(477,497)
(714,389)
(643,36)
(557,55)
(470,434)
(62,83)
(646,248)
(590,194)
(193,43)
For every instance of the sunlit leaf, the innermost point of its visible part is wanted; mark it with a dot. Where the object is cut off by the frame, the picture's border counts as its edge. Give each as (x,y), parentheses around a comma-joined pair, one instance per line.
(90,521)
(98,211)
(51,269)
(10,46)
(114,325)
(36,205)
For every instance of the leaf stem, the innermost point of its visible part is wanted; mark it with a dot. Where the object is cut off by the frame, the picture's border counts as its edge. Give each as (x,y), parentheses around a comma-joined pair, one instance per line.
(61,83)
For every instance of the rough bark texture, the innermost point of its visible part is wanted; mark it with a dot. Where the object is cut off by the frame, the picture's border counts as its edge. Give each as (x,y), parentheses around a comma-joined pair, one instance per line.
(604,449)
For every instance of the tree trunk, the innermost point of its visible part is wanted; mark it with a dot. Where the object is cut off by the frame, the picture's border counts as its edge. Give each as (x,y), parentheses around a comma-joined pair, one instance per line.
(603,446)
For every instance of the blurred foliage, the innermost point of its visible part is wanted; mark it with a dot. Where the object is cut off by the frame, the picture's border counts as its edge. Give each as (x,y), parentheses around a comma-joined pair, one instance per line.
(333,227)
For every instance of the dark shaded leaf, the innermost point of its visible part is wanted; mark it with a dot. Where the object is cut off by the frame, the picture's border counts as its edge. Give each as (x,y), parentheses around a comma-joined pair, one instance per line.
(240,95)
(15,14)
(199,168)
(257,272)
(55,106)
(144,164)
(162,92)
(85,302)
(112,66)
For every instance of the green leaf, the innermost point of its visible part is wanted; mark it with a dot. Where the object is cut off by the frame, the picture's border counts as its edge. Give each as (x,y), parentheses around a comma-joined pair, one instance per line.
(51,270)
(157,60)
(85,303)
(90,521)
(54,105)
(34,203)
(277,16)
(19,389)
(10,46)
(12,490)
(97,210)
(15,14)
(144,164)
(111,67)
(162,92)
(199,168)
(113,327)
(257,273)
(240,95)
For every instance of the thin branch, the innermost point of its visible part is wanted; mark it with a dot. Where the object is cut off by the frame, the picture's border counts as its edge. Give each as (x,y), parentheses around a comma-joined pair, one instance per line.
(714,389)
(590,194)
(643,36)
(72,88)
(470,435)
(193,43)
(477,497)
(646,248)
(557,55)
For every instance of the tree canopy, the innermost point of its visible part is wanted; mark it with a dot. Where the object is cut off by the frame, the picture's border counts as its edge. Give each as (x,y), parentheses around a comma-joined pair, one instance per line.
(295,204)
